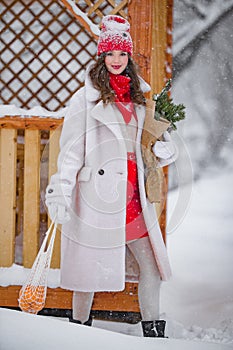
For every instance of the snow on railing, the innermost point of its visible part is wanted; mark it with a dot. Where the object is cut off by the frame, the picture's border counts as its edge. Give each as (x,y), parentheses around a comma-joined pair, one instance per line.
(12,110)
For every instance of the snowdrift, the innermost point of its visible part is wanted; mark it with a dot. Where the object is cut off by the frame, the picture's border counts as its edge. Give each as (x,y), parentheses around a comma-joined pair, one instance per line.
(24,331)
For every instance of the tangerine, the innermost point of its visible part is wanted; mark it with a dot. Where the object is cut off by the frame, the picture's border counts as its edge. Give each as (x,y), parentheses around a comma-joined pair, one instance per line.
(32,298)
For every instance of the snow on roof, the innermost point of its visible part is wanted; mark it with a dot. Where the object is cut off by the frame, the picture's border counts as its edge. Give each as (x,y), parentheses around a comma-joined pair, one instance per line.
(94,28)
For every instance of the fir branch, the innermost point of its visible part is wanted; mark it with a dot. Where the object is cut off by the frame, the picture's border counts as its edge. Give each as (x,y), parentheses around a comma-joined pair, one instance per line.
(166,108)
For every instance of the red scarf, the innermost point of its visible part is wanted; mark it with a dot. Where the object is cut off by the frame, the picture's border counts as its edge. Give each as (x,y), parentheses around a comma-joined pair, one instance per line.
(120,85)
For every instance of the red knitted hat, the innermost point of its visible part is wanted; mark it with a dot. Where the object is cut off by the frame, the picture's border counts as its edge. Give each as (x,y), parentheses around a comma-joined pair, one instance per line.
(114,35)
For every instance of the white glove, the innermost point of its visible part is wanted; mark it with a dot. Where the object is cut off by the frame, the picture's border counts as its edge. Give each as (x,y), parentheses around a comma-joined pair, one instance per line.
(58,201)
(165,150)
(58,213)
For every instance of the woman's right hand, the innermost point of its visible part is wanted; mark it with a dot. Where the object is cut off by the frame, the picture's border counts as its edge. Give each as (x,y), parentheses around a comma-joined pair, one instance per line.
(58,213)
(58,202)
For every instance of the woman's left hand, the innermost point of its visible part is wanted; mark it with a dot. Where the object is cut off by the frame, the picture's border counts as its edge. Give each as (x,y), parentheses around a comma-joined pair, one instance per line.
(165,150)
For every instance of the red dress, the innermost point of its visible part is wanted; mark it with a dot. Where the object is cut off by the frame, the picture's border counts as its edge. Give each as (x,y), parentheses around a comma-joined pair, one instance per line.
(135,223)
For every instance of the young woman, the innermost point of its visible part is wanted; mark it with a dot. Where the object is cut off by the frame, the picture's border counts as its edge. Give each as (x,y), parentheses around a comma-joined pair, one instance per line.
(98,193)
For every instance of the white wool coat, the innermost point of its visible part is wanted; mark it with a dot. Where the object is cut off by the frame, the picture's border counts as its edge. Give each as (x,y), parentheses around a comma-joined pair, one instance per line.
(92,181)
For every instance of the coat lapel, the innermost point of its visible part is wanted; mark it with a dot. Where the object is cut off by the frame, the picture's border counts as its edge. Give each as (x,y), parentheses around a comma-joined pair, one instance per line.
(140,111)
(108,116)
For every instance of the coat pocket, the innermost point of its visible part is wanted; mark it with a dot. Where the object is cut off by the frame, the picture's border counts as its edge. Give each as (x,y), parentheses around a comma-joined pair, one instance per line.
(84,174)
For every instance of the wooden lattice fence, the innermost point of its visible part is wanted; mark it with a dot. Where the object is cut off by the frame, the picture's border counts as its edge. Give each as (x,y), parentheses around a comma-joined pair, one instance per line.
(45,50)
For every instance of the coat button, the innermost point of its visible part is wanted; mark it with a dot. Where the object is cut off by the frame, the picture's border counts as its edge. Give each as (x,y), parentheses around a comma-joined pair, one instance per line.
(101,172)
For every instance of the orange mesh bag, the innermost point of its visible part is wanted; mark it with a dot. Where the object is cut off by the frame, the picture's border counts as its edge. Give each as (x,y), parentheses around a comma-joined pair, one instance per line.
(32,295)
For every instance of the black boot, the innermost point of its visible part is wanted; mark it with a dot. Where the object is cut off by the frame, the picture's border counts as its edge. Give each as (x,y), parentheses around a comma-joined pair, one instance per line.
(87,323)
(153,328)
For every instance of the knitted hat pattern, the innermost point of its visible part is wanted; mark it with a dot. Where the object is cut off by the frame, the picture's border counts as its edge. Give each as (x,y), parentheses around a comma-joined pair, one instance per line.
(114,35)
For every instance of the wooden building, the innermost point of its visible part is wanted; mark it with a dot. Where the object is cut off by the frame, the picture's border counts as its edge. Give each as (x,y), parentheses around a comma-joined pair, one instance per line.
(46,46)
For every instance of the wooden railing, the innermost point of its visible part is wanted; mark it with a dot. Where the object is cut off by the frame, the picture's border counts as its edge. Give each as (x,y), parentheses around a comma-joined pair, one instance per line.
(23,141)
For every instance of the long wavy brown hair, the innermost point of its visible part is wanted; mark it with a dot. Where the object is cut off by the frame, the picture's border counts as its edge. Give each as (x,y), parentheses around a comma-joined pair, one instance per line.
(100,79)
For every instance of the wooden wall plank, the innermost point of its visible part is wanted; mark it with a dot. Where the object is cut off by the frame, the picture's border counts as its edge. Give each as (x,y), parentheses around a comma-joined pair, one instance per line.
(8,149)
(31,214)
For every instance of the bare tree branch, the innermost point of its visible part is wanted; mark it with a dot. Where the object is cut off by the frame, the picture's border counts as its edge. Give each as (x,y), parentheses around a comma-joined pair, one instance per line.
(197,7)
(183,37)
(188,38)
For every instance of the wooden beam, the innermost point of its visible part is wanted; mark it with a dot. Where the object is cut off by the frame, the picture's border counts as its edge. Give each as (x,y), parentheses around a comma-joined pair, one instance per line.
(34,123)
(126,301)
(87,24)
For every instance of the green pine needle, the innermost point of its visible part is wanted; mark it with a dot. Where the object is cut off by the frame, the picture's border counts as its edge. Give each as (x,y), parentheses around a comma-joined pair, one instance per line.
(165,107)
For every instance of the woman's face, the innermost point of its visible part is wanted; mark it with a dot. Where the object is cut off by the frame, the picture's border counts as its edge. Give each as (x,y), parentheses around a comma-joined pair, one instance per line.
(116,61)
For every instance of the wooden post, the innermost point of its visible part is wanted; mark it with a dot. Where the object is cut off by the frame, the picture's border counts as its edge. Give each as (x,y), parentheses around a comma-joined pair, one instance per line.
(148,20)
(158,79)
(149,33)
(31,214)
(8,152)
(141,19)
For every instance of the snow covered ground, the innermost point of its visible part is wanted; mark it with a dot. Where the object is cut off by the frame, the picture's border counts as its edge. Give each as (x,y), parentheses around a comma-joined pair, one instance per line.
(24,331)
(197,303)
(200,295)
